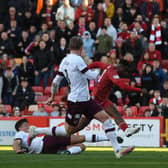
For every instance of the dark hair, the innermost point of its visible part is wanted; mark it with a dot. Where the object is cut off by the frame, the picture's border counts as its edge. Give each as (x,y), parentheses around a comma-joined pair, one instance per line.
(19,123)
(75,43)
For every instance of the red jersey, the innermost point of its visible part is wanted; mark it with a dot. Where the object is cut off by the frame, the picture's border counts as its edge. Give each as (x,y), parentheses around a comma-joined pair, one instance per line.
(108,79)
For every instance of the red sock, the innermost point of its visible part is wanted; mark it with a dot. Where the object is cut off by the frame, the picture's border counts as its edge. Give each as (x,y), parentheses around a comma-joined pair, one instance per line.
(123,126)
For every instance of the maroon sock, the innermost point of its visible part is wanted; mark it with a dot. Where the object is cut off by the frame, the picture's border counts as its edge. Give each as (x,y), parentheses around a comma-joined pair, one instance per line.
(123,126)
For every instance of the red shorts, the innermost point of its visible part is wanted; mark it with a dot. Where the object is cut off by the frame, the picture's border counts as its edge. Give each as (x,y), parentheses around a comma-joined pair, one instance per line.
(104,103)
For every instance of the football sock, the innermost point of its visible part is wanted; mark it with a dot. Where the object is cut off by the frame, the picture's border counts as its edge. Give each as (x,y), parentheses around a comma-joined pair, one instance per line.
(59,131)
(75,150)
(123,126)
(95,138)
(111,135)
(46,131)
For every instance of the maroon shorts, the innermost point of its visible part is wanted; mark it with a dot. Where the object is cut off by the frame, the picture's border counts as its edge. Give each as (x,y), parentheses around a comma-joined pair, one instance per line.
(53,144)
(75,110)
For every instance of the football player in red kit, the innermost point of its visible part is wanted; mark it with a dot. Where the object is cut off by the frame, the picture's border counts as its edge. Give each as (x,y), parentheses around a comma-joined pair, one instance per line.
(109,79)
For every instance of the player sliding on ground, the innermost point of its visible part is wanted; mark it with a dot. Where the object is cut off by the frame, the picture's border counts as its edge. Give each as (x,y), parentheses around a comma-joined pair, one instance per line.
(26,141)
(75,70)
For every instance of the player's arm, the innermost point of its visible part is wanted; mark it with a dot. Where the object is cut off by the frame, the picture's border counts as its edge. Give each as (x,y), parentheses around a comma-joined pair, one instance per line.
(17,146)
(122,85)
(89,74)
(97,64)
(55,86)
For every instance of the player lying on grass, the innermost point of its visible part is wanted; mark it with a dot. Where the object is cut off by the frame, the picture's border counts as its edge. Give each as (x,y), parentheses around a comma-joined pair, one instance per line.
(26,141)
(107,81)
(75,70)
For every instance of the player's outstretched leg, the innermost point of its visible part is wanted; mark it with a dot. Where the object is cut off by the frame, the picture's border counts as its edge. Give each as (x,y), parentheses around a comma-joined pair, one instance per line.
(113,112)
(111,135)
(54,131)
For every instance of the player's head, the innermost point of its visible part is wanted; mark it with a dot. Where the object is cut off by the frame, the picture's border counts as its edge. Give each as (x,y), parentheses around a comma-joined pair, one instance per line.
(76,44)
(122,72)
(22,125)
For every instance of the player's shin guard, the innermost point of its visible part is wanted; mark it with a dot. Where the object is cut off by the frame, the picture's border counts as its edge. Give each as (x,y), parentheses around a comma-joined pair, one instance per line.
(111,135)
(75,150)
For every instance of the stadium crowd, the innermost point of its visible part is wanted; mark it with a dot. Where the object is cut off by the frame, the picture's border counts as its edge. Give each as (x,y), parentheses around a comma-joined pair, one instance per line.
(34,37)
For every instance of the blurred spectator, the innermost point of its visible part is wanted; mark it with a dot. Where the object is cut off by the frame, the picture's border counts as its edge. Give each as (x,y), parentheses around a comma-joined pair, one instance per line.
(22,43)
(133,45)
(149,79)
(134,97)
(17,112)
(109,8)
(92,29)
(66,12)
(72,30)
(149,8)
(163,107)
(129,65)
(43,60)
(10,84)
(143,61)
(124,34)
(156,100)
(99,15)
(56,112)
(111,31)
(60,50)
(103,42)
(164,89)
(14,67)
(147,113)
(153,52)
(47,13)
(158,71)
(27,70)
(88,44)
(81,26)
(118,18)
(3,112)
(84,11)
(6,45)
(113,57)
(24,95)
(41,111)
(155,33)
(153,110)
(128,112)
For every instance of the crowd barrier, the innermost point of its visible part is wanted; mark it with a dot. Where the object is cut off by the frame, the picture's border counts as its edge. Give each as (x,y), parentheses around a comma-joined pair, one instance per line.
(150,135)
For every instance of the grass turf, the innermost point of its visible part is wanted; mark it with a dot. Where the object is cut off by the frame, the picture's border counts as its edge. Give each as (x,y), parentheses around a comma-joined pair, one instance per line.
(8,159)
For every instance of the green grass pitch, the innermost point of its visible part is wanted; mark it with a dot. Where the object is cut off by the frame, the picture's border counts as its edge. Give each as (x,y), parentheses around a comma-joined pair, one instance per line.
(9,159)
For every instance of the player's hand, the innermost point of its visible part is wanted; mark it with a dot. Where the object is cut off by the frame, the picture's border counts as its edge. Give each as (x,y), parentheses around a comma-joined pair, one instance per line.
(21,151)
(50,100)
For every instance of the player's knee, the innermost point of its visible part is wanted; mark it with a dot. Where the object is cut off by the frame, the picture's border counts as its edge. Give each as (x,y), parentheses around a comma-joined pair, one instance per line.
(83,147)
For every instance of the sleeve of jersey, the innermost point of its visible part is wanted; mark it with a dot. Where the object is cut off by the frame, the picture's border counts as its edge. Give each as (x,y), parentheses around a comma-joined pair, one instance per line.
(125,86)
(97,64)
(59,76)
(91,75)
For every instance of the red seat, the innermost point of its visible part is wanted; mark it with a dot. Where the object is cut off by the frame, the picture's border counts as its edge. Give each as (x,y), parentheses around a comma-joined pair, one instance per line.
(41,99)
(164,64)
(38,90)
(63,91)
(47,91)
(142,110)
(8,108)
